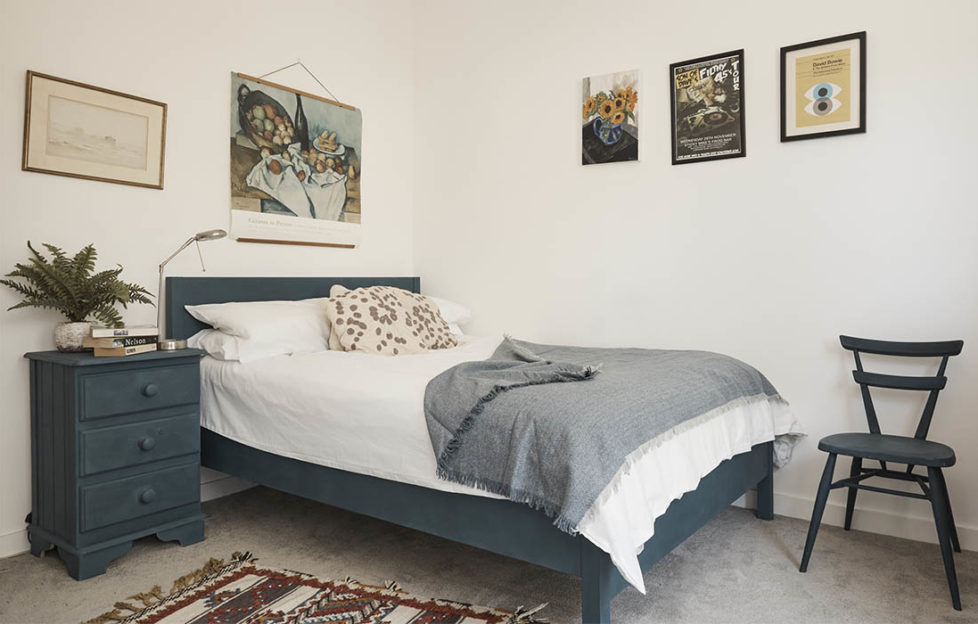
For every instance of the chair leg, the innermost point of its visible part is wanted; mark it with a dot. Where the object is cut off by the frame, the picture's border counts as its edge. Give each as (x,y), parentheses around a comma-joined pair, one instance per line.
(820,498)
(939,502)
(854,471)
(950,515)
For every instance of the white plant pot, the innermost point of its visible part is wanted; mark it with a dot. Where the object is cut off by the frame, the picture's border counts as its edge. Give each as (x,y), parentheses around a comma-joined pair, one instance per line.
(68,336)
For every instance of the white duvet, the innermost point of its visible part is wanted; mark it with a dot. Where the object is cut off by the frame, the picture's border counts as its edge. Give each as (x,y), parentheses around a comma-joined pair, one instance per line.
(364,413)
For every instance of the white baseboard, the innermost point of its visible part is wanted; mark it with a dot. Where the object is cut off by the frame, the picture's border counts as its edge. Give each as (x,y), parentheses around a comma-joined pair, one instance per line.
(14,543)
(917,528)
(223,486)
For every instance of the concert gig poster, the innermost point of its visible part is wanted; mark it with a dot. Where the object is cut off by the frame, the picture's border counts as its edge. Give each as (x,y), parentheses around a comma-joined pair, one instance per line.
(707,97)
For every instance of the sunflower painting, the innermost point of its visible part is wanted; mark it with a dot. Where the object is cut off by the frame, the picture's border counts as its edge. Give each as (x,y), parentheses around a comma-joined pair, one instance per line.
(610,118)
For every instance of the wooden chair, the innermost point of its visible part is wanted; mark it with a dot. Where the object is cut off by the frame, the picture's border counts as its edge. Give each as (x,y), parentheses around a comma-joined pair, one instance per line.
(883,448)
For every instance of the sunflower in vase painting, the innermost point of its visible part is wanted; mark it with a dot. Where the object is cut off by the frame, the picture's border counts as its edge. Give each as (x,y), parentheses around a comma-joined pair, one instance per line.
(609,110)
(610,113)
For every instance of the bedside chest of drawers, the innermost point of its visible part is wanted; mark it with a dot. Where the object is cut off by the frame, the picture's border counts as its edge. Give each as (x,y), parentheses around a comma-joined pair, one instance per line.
(115,454)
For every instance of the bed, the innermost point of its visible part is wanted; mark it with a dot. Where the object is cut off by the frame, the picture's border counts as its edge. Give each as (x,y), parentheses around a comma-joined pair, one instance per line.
(444,510)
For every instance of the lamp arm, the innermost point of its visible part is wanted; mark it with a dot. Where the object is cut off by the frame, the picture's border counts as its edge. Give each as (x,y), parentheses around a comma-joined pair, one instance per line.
(159,305)
(175,253)
(164,342)
(159,293)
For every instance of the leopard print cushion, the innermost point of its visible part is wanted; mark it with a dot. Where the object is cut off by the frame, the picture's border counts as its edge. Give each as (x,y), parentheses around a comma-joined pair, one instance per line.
(385,321)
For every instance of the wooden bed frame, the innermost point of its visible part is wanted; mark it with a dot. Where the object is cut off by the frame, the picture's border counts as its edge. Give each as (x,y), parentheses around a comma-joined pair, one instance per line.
(496,525)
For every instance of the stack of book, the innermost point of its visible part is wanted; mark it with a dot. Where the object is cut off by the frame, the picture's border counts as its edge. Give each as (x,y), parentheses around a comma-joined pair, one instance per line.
(121,341)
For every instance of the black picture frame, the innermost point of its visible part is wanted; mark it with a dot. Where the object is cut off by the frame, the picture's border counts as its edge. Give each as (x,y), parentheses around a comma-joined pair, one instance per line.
(736,115)
(861,128)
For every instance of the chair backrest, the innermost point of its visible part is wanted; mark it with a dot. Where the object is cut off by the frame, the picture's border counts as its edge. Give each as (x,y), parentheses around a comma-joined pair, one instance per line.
(933,384)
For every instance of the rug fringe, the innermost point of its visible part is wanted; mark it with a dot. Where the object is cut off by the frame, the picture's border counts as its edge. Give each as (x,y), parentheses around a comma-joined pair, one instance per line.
(523,616)
(153,597)
(107,617)
(149,598)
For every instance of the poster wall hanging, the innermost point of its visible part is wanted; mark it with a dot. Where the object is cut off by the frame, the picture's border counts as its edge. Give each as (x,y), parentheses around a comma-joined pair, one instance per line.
(823,88)
(707,101)
(295,166)
(610,110)
(82,131)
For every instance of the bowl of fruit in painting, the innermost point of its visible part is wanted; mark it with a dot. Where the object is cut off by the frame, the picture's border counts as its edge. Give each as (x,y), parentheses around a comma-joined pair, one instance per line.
(326,143)
(264,120)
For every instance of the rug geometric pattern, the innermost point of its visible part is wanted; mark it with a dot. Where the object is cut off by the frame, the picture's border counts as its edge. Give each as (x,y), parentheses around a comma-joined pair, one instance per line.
(241,593)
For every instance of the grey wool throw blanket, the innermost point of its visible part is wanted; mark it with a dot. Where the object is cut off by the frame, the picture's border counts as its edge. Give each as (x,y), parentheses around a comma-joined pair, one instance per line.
(551,426)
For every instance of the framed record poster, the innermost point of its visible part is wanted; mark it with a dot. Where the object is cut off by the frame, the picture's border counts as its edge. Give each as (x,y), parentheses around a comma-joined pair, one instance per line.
(295,166)
(707,101)
(823,88)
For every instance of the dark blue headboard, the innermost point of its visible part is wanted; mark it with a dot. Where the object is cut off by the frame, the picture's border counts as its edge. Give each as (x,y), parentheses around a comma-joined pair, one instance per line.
(181,291)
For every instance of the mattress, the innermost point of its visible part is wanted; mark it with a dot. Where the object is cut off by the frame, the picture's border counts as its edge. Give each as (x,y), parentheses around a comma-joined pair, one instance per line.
(364,413)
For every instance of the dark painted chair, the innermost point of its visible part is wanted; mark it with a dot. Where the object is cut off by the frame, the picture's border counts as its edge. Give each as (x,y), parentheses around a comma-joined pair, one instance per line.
(883,448)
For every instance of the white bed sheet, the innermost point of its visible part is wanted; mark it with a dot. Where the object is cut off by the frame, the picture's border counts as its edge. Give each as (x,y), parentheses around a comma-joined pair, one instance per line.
(352,411)
(364,413)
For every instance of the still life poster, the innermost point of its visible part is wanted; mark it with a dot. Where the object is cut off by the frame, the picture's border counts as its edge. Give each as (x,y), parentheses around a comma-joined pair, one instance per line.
(707,101)
(609,104)
(823,88)
(295,166)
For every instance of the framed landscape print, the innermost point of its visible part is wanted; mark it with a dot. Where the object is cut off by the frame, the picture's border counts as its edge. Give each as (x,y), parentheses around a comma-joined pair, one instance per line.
(707,103)
(610,111)
(823,88)
(82,131)
(295,166)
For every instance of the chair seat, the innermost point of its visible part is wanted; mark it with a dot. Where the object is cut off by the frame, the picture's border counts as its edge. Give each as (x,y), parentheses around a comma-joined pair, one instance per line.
(892,448)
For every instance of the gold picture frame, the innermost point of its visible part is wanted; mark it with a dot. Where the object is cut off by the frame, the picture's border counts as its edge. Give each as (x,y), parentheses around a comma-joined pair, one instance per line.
(82,131)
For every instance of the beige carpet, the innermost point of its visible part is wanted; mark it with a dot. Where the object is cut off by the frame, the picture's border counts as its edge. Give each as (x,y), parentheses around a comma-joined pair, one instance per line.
(735,570)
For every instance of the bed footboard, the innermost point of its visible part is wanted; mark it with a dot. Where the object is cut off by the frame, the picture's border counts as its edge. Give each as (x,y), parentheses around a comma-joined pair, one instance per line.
(502,526)
(601,581)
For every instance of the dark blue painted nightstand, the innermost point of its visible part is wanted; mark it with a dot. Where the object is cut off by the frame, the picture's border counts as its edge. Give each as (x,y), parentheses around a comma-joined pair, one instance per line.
(115,454)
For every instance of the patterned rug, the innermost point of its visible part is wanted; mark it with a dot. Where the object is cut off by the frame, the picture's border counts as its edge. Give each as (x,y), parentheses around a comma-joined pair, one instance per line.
(239,592)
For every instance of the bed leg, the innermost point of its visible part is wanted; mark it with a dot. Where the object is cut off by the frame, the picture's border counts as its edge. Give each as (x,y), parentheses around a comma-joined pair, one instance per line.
(765,488)
(596,577)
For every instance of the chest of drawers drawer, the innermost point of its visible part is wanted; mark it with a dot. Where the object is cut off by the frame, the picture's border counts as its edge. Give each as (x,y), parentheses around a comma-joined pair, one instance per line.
(134,444)
(124,499)
(111,393)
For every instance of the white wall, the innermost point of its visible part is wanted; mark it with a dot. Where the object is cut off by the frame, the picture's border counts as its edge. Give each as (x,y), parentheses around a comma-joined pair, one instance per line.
(182,52)
(471,126)
(767,258)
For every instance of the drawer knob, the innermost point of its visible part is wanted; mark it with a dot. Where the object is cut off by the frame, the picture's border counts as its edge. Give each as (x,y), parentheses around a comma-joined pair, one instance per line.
(147,496)
(147,443)
(150,390)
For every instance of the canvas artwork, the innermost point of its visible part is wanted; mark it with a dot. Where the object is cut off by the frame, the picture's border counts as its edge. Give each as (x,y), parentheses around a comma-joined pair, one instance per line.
(610,112)
(295,166)
(84,131)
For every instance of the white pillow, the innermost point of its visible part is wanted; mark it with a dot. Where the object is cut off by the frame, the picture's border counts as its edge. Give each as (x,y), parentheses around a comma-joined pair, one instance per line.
(268,328)
(453,313)
(216,343)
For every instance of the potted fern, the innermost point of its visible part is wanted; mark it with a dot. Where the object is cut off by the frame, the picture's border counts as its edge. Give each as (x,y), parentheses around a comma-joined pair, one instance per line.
(71,286)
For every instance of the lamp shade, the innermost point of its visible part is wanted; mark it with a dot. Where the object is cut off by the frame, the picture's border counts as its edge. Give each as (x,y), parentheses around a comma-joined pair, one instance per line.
(208,235)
